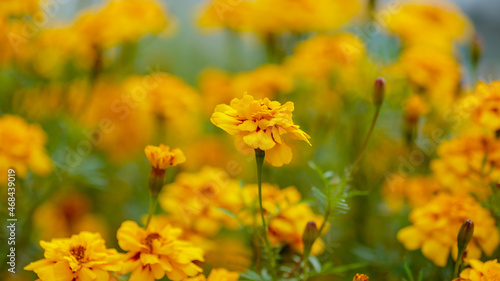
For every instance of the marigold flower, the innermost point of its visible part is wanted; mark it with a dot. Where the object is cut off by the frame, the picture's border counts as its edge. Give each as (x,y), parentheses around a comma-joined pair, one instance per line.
(259,124)
(82,257)
(436,23)
(161,157)
(287,217)
(468,163)
(22,148)
(415,107)
(360,277)
(417,191)
(487,111)
(197,197)
(479,271)
(156,252)
(436,224)
(217,274)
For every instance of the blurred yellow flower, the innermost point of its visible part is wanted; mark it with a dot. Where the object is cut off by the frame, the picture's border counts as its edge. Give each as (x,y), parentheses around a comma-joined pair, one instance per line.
(22,148)
(286,215)
(217,274)
(259,124)
(436,23)
(230,252)
(360,277)
(18,8)
(196,198)
(479,271)
(82,257)
(161,157)
(433,73)
(468,163)
(415,107)
(320,57)
(435,227)
(122,21)
(266,17)
(416,191)
(487,111)
(156,252)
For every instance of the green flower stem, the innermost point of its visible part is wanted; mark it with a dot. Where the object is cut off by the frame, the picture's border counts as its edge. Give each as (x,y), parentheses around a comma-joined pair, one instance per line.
(372,126)
(153,201)
(259,157)
(458,263)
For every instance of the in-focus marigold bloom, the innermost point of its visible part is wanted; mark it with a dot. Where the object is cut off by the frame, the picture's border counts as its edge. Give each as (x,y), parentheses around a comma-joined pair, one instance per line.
(161,157)
(432,72)
(156,252)
(286,215)
(217,274)
(436,224)
(360,277)
(461,166)
(125,21)
(479,271)
(436,23)
(487,110)
(416,191)
(266,17)
(82,257)
(197,197)
(260,124)
(22,148)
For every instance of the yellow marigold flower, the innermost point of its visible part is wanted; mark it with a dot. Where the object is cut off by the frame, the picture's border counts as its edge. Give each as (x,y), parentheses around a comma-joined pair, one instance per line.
(22,148)
(416,191)
(461,165)
(196,198)
(82,257)
(161,157)
(487,111)
(259,124)
(156,252)
(436,23)
(287,217)
(318,57)
(436,225)
(266,17)
(479,271)
(122,22)
(433,72)
(217,274)
(360,277)
(18,8)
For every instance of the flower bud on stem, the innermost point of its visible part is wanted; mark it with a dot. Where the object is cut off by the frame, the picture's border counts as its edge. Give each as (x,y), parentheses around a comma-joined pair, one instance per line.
(464,236)
(156,182)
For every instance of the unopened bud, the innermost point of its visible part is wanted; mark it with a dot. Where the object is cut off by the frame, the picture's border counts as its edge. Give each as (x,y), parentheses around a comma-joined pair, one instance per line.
(465,235)
(309,236)
(379,91)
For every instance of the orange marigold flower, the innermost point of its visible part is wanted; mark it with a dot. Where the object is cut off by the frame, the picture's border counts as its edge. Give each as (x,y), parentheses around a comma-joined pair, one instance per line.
(360,277)
(259,124)
(161,157)
(487,111)
(480,271)
(156,252)
(436,225)
(82,257)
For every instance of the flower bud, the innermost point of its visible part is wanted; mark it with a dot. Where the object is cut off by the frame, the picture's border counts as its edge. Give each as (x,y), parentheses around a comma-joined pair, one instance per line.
(309,236)
(476,49)
(465,235)
(156,181)
(379,91)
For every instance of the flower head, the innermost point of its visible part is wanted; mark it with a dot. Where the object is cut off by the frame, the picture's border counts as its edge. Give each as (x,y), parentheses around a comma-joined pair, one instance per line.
(217,274)
(480,271)
(161,157)
(360,277)
(487,111)
(156,252)
(260,124)
(436,224)
(81,257)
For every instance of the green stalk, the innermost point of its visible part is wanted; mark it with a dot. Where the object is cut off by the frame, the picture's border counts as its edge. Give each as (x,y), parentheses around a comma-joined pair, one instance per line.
(372,126)
(153,201)
(259,157)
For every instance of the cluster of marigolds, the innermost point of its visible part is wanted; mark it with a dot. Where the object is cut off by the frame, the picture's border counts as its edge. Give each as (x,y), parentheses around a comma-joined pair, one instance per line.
(452,198)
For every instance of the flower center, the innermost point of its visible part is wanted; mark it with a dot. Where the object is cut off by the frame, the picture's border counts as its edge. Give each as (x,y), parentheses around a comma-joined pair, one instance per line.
(150,238)
(78,252)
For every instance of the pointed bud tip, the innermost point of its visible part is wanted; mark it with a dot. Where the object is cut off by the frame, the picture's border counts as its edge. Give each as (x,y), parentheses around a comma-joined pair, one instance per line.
(379,91)
(465,234)
(309,236)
